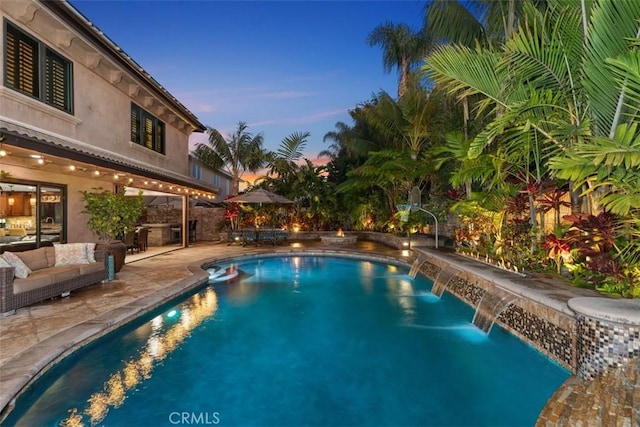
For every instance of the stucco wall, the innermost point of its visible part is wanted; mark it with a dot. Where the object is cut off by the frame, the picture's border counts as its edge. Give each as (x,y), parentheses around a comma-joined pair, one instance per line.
(102,96)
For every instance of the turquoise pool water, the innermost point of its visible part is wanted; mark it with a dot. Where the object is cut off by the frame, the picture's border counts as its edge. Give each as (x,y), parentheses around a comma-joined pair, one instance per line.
(300,341)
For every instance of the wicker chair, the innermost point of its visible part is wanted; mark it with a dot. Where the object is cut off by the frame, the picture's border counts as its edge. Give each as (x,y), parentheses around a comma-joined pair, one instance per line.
(130,241)
(143,239)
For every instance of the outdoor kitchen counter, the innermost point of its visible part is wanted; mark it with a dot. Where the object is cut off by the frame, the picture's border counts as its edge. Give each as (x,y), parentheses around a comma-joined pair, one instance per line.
(159,234)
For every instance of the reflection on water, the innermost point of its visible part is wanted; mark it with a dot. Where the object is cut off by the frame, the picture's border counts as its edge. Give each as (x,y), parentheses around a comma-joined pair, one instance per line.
(404,293)
(159,345)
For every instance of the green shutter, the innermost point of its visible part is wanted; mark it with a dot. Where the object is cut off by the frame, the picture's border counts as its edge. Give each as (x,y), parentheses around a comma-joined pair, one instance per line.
(21,62)
(57,82)
(148,132)
(160,137)
(135,123)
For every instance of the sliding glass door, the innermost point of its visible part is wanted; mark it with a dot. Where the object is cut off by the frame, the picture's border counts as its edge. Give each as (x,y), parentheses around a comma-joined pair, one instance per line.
(32,215)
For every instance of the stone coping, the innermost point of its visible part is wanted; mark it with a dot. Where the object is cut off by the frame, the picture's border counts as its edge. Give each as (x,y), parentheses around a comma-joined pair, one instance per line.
(544,290)
(625,311)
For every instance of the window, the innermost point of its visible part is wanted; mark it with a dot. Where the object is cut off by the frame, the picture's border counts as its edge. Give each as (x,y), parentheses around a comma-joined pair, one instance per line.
(35,70)
(196,171)
(147,130)
(216,180)
(32,214)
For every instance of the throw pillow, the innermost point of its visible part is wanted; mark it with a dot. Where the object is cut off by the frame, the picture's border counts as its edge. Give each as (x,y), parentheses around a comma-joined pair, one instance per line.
(71,253)
(21,269)
(4,263)
(91,252)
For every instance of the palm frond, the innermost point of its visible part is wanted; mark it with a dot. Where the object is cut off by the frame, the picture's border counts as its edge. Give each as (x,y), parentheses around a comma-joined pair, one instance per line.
(626,69)
(451,21)
(613,24)
(292,147)
(545,53)
(465,72)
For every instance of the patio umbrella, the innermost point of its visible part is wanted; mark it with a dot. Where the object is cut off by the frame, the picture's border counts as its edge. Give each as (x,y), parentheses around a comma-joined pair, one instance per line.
(259,196)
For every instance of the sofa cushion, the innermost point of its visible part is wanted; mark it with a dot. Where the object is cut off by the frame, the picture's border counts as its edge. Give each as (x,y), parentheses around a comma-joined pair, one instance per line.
(66,272)
(37,279)
(91,268)
(45,277)
(34,259)
(21,269)
(70,253)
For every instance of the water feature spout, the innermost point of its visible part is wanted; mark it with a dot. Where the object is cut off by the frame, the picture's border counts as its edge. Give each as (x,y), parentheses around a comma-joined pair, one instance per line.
(491,305)
(415,267)
(444,277)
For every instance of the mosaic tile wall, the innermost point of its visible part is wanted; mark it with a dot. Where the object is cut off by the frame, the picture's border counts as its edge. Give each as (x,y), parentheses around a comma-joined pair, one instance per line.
(545,329)
(605,344)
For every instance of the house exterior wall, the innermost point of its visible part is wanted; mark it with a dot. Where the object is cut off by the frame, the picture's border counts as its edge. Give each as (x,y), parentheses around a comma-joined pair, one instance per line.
(102,97)
(105,83)
(219,179)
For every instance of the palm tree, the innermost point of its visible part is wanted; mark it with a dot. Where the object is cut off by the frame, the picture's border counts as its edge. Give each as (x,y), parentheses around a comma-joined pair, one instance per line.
(237,154)
(486,23)
(550,84)
(567,85)
(285,160)
(412,123)
(402,49)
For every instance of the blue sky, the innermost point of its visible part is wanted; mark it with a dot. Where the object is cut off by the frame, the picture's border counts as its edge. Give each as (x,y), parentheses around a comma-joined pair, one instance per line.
(279,66)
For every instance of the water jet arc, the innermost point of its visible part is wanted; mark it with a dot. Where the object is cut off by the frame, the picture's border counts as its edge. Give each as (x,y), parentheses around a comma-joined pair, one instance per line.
(490,306)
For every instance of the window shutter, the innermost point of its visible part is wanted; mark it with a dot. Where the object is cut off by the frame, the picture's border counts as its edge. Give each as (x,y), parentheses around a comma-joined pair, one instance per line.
(57,82)
(147,130)
(159,146)
(135,124)
(10,59)
(148,133)
(21,67)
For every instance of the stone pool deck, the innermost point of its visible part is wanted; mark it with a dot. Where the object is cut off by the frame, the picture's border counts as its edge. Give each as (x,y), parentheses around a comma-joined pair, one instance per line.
(39,335)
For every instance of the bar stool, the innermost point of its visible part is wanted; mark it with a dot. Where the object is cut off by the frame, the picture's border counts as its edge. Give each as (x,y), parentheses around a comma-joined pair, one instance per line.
(176,234)
(192,230)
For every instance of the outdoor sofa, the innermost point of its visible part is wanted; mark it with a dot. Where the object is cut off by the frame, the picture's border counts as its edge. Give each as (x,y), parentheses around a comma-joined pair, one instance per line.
(39,274)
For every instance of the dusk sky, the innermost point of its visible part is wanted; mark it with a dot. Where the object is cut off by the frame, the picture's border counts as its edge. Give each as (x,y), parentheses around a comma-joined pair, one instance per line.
(280,66)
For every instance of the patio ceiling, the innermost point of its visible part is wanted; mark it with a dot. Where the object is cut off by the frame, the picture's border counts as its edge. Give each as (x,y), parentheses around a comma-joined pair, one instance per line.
(63,157)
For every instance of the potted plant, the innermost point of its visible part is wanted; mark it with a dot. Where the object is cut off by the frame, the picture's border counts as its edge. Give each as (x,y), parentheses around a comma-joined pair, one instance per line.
(111,215)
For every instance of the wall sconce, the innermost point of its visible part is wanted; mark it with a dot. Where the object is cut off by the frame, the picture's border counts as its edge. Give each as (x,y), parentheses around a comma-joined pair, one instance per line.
(11,201)
(32,201)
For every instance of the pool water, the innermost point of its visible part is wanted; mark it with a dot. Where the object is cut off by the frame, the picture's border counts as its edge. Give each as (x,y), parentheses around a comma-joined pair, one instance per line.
(293,341)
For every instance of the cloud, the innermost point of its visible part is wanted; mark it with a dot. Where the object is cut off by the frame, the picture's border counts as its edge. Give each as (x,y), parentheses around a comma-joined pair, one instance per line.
(285,94)
(317,77)
(303,119)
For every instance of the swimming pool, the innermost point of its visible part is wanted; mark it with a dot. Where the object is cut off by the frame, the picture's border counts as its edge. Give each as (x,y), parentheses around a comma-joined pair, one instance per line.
(300,340)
